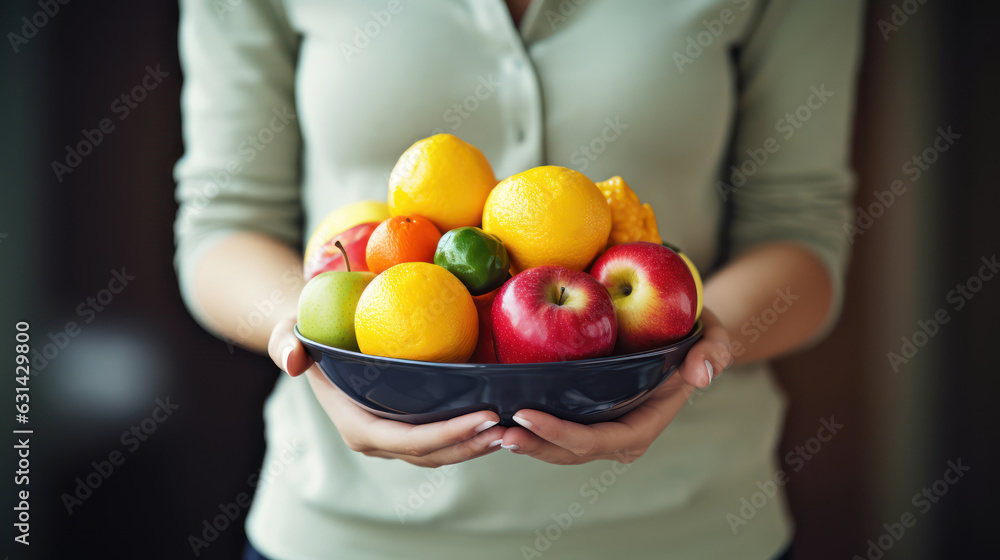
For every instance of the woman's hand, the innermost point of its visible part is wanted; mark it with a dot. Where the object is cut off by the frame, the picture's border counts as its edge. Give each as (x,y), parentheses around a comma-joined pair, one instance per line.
(552,440)
(428,445)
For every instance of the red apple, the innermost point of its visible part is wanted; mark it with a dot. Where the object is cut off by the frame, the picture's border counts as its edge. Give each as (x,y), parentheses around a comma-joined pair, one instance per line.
(552,314)
(328,257)
(484,353)
(654,294)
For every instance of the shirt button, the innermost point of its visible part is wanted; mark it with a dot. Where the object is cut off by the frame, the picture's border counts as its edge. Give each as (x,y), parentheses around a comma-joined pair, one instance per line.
(520,135)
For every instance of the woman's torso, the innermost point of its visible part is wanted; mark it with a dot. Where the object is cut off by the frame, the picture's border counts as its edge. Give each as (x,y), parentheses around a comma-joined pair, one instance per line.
(595,86)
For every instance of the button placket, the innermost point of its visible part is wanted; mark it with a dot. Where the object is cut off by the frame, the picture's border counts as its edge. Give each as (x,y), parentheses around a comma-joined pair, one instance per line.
(520,96)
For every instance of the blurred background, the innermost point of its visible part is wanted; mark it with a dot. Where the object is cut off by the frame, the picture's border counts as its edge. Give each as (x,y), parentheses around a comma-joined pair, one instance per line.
(129,393)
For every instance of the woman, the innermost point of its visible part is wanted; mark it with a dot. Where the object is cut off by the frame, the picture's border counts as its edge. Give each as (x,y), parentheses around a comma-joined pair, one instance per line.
(293,108)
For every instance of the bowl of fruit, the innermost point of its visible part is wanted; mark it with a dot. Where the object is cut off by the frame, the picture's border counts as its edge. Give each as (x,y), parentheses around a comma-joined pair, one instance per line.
(544,291)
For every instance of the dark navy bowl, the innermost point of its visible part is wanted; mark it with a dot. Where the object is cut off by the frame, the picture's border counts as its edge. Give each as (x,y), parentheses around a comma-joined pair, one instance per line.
(583,391)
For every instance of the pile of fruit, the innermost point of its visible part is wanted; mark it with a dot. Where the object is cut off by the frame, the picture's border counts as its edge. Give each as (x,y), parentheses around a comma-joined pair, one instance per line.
(458,267)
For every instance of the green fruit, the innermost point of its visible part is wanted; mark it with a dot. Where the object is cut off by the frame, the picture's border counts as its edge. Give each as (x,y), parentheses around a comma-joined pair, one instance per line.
(326,307)
(475,257)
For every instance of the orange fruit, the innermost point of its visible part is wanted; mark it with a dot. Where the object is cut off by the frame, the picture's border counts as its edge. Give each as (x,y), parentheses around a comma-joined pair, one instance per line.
(417,311)
(444,179)
(549,216)
(401,239)
(630,219)
(343,219)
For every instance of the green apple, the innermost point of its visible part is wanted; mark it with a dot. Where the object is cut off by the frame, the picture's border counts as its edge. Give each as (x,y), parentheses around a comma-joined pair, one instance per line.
(327,305)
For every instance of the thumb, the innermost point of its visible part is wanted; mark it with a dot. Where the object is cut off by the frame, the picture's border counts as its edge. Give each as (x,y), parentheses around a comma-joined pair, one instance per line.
(286,351)
(709,356)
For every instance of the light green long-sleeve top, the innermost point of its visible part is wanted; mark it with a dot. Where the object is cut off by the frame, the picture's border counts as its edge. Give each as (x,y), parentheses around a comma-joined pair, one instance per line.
(295,107)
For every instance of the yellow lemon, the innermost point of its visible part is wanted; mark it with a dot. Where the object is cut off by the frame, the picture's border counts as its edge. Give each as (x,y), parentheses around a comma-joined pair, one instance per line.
(417,311)
(442,179)
(697,284)
(694,274)
(549,215)
(343,219)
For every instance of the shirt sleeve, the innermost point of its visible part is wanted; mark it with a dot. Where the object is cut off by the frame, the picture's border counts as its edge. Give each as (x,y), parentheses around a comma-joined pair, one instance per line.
(790,177)
(240,170)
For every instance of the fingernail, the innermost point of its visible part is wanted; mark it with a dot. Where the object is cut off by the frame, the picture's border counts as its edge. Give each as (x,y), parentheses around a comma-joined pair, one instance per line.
(495,443)
(485,426)
(511,447)
(522,421)
(284,358)
(708,367)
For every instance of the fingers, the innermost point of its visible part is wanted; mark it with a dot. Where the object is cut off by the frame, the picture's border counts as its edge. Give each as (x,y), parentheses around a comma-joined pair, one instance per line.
(523,442)
(363,431)
(704,362)
(580,440)
(561,442)
(286,351)
(710,356)
(484,443)
(422,440)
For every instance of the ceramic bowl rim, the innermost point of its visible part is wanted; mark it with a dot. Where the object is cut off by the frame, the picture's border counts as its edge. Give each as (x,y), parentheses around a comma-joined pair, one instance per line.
(467,368)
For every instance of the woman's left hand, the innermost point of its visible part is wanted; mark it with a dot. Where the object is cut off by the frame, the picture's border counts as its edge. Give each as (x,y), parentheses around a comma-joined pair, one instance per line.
(560,442)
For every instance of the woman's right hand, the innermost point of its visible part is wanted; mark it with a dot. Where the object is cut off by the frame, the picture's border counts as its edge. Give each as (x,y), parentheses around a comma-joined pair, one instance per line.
(427,445)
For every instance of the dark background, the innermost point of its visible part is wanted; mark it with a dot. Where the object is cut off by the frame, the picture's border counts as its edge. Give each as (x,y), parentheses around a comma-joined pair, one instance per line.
(60,241)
